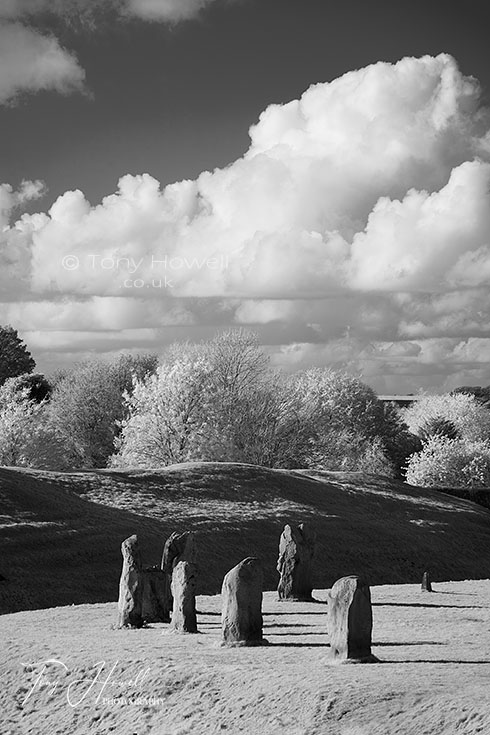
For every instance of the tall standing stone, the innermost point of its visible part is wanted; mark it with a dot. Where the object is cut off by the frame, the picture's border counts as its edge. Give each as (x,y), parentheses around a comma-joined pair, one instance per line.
(350,621)
(295,563)
(426,585)
(130,586)
(156,596)
(184,619)
(241,617)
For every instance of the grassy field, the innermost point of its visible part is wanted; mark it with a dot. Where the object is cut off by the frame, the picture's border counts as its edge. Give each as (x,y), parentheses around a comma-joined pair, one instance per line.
(60,534)
(433,679)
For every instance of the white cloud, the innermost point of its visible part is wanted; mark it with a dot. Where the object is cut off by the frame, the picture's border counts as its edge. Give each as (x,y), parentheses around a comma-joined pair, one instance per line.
(171,11)
(32,62)
(358,219)
(17,8)
(166,11)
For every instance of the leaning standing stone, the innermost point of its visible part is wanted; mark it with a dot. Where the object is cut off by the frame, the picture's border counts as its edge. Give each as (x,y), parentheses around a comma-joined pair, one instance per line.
(184,619)
(426,583)
(350,621)
(156,597)
(241,617)
(295,563)
(130,586)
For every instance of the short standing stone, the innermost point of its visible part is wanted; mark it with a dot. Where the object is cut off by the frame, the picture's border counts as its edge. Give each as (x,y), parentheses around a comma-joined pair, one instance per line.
(426,583)
(130,586)
(184,619)
(241,616)
(350,621)
(295,563)
(156,597)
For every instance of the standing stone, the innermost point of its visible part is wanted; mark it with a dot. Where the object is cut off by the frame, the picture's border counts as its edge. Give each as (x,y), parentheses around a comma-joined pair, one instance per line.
(426,585)
(295,563)
(184,619)
(350,621)
(178,547)
(130,586)
(156,597)
(241,617)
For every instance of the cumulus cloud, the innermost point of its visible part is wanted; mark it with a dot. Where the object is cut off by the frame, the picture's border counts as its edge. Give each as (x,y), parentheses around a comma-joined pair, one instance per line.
(33,62)
(11,199)
(356,228)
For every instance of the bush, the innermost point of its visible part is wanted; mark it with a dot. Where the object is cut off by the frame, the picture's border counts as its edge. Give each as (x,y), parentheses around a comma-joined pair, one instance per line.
(463,415)
(346,451)
(446,462)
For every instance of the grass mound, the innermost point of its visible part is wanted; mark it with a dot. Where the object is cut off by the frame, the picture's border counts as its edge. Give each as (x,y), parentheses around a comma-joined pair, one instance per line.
(60,533)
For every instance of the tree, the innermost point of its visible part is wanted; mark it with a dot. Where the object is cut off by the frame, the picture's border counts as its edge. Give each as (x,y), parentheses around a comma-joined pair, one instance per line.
(468,418)
(450,463)
(438,426)
(242,394)
(16,415)
(129,368)
(38,386)
(87,407)
(214,401)
(170,415)
(15,359)
(347,423)
(84,409)
(480,393)
(267,426)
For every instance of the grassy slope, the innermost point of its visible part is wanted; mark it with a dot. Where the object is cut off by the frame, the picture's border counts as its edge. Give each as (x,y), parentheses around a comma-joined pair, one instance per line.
(58,548)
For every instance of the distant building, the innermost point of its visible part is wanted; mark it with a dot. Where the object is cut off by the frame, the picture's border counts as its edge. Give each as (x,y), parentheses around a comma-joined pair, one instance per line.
(400,401)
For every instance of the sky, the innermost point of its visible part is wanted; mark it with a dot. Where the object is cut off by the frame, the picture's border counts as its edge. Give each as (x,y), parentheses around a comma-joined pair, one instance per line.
(317,172)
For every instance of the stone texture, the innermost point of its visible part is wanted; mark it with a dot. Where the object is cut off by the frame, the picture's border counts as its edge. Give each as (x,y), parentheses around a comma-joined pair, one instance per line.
(130,586)
(178,547)
(426,585)
(350,621)
(295,563)
(156,596)
(241,617)
(184,619)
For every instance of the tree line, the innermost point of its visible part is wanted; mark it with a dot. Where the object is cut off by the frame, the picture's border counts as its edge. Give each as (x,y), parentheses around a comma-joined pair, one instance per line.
(222,401)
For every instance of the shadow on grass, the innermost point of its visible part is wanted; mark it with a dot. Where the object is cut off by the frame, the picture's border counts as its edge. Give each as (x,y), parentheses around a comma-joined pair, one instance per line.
(300,645)
(287,625)
(298,612)
(217,614)
(291,634)
(412,643)
(423,604)
(436,661)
